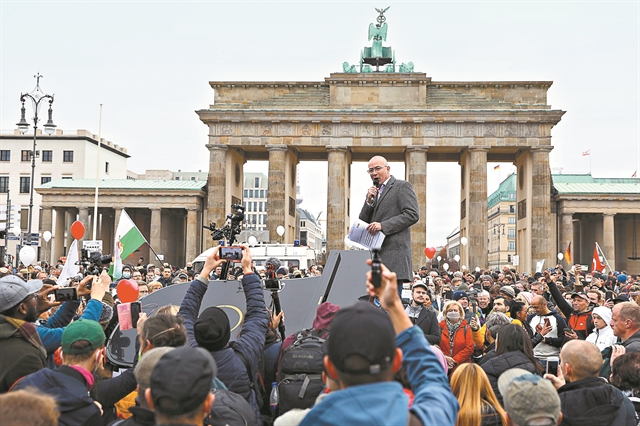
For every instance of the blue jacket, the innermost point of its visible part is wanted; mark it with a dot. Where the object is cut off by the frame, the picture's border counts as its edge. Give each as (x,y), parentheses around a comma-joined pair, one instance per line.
(69,389)
(249,345)
(384,403)
(51,332)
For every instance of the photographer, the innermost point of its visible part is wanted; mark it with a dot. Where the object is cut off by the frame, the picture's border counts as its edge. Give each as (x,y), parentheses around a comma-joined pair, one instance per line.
(212,331)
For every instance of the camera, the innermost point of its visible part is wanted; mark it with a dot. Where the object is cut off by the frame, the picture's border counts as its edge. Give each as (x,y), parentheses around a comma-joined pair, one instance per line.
(376,270)
(231,253)
(93,261)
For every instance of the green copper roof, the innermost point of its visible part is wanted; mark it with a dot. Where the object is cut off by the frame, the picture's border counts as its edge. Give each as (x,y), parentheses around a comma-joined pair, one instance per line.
(587,184)
(507,186)
(175,185)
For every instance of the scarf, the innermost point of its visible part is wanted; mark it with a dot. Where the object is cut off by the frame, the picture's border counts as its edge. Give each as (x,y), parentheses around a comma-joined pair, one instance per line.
(28,332)
(452,331)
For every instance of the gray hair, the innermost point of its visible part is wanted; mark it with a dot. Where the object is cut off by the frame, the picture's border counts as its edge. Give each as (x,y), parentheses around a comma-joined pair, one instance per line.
(495,321)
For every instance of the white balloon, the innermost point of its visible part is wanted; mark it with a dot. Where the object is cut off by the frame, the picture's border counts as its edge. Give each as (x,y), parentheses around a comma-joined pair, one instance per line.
(280,230)
(46,235)
(456,258)
(560,256)
(477,269)
(16,231)
(464,241)
(252,240)
(439,258)
(464,268)
(27,255)
(445,266)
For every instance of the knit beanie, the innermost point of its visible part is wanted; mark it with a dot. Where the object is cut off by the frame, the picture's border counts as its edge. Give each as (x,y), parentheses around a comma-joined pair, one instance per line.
(212,330)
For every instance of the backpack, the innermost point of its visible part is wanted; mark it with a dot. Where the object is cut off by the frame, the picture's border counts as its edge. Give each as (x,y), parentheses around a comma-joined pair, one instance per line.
(229,408)
(300,372)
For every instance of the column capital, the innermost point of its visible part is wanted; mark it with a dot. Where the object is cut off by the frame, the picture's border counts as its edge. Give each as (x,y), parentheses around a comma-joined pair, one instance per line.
(217,147)
(155,208)
(276,147)
(608,214)
(417,148)
(478,148)
(544,148)
(191,208)
(337,148)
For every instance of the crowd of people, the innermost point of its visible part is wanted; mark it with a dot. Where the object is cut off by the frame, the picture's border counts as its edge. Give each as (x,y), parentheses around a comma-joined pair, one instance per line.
(467,348)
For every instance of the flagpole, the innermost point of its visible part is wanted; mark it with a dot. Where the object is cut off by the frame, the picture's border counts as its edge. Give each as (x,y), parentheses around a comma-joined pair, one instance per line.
(156,254)
(95,200)
(604,257)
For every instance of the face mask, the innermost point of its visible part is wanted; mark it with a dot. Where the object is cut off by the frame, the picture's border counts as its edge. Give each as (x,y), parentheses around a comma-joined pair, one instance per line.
(126,275)
(453,315)
(588,280)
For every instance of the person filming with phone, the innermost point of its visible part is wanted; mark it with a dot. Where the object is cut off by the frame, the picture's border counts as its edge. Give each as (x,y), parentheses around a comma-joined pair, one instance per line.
(549,330)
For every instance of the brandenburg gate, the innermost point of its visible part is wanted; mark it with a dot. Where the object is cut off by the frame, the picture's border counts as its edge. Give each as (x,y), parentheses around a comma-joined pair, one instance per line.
(404,116)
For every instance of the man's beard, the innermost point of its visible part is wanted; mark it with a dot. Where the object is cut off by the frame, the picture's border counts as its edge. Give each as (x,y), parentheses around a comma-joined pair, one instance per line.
(32,314)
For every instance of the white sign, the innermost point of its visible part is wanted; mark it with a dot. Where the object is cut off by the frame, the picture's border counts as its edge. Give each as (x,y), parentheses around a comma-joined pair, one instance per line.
(92,245)
(516,260)
(540,265)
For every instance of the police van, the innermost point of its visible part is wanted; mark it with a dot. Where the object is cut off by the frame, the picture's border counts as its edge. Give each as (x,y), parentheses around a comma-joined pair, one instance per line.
(288,254)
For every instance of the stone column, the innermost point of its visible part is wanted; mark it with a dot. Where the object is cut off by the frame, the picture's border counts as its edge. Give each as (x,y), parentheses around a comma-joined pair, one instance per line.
(609,239)
(155,239)
(57,242)
(416,174)
(477,234)
(47,219)
(339,162)
(69,217)
(84,218)
(541,235)
(216,182)
(276,207)
(192,234)
(566,235)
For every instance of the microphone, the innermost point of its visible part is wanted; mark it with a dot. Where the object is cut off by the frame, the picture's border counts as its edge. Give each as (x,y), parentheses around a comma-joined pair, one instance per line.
(376,183)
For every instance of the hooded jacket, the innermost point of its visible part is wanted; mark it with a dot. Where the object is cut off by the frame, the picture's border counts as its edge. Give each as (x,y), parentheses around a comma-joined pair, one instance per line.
(51,332)
(462,342)
(18,357)
(503,362)
(322,321)
(69,389)
(632,344)
(385,403)
(580,322)
(592,402)
(231,370)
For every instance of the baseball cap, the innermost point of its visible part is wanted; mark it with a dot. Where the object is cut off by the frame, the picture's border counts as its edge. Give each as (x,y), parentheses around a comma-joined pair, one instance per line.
(146,365)
(14,290)
(181,380)
(527,396)
(82,329)
(582,295)
(362,340)
(419,284)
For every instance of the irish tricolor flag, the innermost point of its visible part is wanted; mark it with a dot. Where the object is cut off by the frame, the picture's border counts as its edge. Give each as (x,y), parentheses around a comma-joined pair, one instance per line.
(127,240)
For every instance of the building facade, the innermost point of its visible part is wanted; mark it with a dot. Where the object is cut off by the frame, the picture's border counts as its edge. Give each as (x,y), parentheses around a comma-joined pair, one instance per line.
(501,216)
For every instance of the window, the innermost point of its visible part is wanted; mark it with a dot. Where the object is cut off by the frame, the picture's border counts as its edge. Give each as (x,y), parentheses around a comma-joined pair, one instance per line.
(255,207)
(176,178)
(262,193)
(106,167)
(264,219)
(4,183)
(256,182)
(45,179)
(25,184)
(512,209)
(246,193)
(193,178)
(47,156)
(511,233)
(512,220)
(67,177)
(5,155)
(251,193)
(512,246)
(302,224)
(260,206)
(24,155)
(512,195)
(67,156)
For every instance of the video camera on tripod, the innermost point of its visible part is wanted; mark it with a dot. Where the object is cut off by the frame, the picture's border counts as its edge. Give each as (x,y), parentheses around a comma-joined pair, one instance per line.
(274,285)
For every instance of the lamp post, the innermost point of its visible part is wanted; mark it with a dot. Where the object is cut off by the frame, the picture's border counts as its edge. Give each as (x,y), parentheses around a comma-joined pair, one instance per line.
(36,97)
(497,231)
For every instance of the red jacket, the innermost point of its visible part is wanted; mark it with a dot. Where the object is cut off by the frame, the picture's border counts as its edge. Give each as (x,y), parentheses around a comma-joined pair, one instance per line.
(462,342)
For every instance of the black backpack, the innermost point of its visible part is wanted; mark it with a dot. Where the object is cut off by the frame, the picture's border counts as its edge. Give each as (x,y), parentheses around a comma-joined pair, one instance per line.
(229,408)
(300,371)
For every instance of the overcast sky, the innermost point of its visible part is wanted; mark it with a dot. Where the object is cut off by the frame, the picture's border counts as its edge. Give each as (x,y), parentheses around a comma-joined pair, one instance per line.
(149,64)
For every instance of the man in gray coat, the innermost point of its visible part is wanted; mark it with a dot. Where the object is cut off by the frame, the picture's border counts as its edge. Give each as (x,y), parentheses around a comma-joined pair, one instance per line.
(392,208)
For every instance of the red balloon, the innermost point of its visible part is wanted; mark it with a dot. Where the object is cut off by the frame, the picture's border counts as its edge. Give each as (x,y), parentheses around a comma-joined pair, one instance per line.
(127,291)
(430,252)
(77,230)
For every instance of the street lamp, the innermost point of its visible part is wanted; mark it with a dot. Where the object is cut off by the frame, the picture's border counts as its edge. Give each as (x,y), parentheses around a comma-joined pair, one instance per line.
(496,231)
(36,97)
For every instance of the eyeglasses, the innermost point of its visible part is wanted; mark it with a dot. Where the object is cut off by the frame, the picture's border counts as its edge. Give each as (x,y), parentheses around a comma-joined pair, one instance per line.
(375,169)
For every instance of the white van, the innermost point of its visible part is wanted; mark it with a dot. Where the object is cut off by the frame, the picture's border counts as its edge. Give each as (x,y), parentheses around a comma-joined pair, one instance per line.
(300,257)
